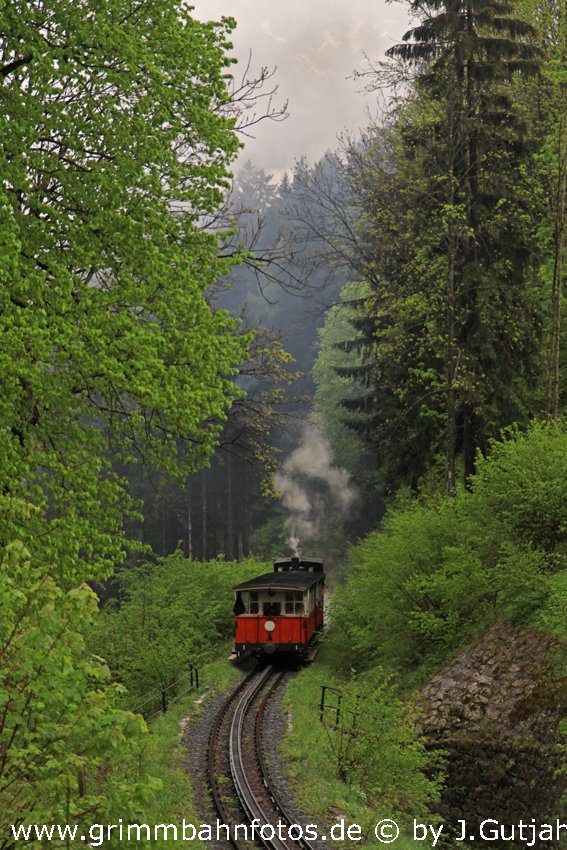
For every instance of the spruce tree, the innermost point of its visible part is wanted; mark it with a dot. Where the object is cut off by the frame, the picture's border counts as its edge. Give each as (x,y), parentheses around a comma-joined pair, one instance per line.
(467,54)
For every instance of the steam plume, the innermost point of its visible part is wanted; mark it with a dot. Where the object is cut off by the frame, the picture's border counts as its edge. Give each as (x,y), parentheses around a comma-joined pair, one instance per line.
(316,493)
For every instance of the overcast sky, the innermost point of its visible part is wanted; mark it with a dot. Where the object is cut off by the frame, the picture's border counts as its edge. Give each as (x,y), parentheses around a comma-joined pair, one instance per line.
(315,45)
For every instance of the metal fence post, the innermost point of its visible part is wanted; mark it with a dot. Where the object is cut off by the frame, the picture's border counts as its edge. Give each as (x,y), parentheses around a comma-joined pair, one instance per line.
(322,703)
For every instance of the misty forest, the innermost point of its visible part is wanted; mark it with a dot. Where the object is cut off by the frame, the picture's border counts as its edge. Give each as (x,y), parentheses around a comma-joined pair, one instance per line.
(206,367)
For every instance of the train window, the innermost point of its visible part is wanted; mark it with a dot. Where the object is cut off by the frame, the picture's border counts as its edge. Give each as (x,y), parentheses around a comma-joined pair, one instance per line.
(254,606)
(272,609)
(294,602)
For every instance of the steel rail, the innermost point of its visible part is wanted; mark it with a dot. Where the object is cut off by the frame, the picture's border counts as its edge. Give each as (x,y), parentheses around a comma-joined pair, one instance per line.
(274,796)
(248,799)
(213,739)
(244,696)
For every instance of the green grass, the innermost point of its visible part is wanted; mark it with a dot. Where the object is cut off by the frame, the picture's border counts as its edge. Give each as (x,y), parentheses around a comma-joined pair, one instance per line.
(164,757)
(308,763)
(321,795)
(304,747)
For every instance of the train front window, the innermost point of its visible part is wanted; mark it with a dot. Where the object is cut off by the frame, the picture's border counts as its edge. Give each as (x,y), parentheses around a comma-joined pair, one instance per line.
(253,607)
(294,602)
(272,609)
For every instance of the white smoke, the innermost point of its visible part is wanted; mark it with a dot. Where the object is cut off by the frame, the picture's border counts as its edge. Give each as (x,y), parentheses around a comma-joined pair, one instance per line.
(316,493)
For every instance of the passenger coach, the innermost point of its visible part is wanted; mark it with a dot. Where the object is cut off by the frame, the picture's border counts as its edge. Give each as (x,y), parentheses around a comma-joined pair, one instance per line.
(280,611)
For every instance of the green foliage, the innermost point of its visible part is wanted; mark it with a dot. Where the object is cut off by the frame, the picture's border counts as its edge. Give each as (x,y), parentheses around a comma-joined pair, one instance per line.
(113,153)
(521,490)
(382,614)
(333,386)
(371,761)
(163,756)
(452,330)
(552,617)
(56,707)
(441,569)
(175,611)
(270,540)
(544,106)
(375,747)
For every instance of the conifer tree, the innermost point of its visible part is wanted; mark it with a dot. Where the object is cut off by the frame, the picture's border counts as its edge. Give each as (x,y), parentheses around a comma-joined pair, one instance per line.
(467,53)
(451,215)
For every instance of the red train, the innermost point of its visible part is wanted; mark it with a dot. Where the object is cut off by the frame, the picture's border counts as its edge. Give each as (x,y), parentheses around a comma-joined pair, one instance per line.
(281,611)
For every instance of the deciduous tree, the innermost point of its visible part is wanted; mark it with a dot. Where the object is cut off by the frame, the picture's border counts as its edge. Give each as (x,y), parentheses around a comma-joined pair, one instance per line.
(61,736)
(117,131)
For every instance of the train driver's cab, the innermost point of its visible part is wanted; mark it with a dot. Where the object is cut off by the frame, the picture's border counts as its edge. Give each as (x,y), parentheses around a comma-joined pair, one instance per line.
(272,603)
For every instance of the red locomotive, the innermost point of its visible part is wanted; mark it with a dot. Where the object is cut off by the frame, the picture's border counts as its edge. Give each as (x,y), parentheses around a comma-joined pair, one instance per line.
(281,611)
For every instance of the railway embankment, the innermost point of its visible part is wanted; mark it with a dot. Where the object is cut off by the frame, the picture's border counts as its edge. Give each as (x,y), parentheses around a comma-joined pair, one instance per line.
(359,765)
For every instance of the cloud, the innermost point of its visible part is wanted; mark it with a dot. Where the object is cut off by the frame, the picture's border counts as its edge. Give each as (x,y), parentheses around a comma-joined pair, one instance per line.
(329,40)
(265,29)
(315,47)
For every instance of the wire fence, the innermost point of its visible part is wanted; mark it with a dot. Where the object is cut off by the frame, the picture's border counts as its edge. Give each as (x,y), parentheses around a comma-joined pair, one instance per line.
(167,695)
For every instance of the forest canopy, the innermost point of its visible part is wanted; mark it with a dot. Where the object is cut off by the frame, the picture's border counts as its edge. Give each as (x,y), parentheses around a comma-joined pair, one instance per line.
(113,155)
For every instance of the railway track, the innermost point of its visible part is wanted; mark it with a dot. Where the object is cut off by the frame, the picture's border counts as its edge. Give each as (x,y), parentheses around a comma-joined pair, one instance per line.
(238,775)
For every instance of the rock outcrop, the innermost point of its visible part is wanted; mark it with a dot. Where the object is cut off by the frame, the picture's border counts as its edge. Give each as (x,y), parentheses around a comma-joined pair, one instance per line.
(496,709)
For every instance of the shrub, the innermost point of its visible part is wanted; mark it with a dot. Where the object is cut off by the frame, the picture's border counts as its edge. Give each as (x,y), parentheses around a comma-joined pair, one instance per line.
(441,569)
(175,612)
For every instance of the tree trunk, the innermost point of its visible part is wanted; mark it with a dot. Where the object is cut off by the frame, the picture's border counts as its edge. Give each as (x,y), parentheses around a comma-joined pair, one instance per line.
(469,442)
(229,513)
(451,365)
(558,202)
(245,512)
(163,530)
(204,518)
(451,354)
(189,522)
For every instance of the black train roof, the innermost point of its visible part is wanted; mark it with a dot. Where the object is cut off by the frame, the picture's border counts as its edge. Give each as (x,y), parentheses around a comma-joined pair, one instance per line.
(288,575)
(289,580)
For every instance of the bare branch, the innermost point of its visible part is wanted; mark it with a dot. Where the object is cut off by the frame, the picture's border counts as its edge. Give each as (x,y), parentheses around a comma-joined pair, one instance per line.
(10,67)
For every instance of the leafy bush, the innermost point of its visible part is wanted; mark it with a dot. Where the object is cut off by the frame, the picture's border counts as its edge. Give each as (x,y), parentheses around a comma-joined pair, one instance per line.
(520,490)
(368,759)
(440,569)
(552,616)
(377,614)
(175,612)
(375,747)
(57,707)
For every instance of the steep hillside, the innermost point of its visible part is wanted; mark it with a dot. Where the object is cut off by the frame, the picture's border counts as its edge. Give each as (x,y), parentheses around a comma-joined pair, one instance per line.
(496,710)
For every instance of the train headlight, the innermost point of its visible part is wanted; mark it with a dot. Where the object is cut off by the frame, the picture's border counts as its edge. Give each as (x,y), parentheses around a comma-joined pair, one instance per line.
(269,625)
